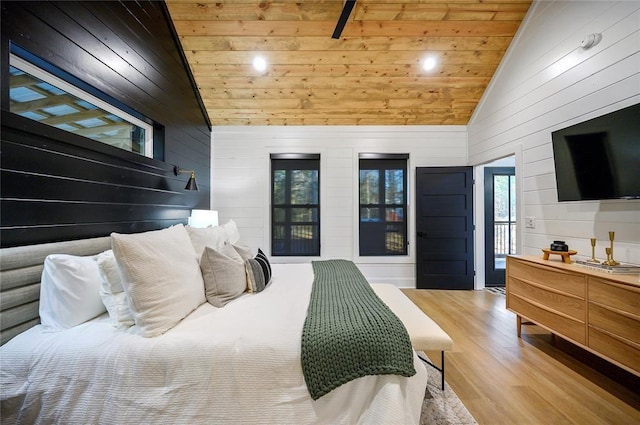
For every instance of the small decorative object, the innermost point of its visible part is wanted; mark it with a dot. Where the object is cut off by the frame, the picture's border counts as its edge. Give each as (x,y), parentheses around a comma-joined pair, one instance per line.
(566,255)
(559,246)
(609,251)
(607,262)
(593,252)
(602,267)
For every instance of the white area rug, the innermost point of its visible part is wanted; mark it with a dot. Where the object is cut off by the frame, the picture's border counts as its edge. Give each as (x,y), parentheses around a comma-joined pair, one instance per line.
(443,407)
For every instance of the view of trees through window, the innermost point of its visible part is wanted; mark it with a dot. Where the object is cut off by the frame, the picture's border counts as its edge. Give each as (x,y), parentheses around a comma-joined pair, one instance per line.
(295,206)
(504,207)
(383,206)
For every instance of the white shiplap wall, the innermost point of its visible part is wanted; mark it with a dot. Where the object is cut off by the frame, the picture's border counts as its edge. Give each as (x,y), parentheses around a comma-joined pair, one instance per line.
(547,82)
(241,181)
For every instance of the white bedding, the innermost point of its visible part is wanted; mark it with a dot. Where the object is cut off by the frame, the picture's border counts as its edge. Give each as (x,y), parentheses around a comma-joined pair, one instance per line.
(237,364)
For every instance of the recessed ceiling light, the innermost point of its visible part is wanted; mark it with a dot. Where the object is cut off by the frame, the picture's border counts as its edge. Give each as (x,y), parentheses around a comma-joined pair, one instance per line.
(429,63)
(260,64)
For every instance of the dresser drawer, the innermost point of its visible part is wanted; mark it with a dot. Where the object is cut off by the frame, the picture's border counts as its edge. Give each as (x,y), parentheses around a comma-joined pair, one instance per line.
(564,281)
(553,300)
(559,324)
(614,295)
(621,351)
(613,322)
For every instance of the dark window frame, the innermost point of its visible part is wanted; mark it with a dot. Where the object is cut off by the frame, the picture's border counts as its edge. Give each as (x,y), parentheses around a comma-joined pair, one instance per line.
(289,162)
(372,235)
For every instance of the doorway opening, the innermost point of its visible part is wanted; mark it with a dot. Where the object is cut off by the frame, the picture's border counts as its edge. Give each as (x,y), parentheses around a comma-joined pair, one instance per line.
(500,220)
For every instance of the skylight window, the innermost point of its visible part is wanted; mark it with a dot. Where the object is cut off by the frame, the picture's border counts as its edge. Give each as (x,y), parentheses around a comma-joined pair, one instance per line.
(86,105)
(23,94)
(59,110)
(51,89)
(38,95)
(32,115)
(93,122)
(66,127)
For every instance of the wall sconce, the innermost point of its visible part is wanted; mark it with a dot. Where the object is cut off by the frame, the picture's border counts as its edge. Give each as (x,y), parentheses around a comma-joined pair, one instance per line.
(191,183)
(203,218)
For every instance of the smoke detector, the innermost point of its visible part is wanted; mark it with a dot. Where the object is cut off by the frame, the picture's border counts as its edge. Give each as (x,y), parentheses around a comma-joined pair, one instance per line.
(590,40)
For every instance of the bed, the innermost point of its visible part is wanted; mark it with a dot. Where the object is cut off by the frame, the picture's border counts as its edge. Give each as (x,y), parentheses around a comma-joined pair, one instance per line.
(240,363)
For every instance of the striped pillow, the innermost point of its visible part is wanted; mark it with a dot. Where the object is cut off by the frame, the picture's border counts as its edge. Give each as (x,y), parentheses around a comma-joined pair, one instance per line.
(266,267)
(255,276)
(258,272)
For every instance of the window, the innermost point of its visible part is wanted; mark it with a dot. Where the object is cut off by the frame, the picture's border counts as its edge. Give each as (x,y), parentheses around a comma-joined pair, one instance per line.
(383,204)
(295,204)
(38,95)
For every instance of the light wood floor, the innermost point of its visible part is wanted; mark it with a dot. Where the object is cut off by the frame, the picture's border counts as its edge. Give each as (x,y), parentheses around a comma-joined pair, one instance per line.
(536,379)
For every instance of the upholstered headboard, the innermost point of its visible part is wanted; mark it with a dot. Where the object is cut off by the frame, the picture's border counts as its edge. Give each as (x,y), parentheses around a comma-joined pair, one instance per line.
(20,271)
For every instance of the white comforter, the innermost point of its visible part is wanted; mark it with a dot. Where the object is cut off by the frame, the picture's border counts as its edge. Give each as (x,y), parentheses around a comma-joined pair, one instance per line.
(237,364)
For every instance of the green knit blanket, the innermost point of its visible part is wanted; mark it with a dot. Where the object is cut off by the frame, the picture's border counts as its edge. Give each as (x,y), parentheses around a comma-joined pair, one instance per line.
(349,332)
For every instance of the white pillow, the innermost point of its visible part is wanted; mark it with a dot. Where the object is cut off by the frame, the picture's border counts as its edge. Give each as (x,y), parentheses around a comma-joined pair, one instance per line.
(69,291)
(161,276)
(201,237)
(224,275)
(231,229)
(112,291)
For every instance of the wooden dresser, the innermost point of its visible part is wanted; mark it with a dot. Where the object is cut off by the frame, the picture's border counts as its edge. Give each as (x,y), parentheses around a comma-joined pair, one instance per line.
(596,310)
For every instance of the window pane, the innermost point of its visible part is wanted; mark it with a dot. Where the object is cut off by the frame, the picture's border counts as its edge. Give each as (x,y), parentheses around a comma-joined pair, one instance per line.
(383,221)
(512,189)
(52,103)
(279,215)
(394,240)
(278,232)
(369,186)
(394,214)
(303,239)
(394,186)
(279,177)
(295,206)
(501,198)
(304,187)
(302,215)
(369,214)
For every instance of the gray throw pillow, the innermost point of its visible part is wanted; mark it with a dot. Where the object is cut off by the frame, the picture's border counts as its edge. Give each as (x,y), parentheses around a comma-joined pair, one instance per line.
(224,275)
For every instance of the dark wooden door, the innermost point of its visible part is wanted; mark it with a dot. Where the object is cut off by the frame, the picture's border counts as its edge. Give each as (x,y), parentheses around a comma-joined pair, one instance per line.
(444,228)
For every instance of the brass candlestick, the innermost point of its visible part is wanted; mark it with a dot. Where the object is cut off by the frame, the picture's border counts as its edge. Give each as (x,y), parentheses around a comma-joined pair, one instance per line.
(593,252)
(610,261)
(607,250)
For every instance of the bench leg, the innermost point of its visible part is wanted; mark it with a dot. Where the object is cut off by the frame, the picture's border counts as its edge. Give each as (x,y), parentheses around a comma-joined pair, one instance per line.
(440,369)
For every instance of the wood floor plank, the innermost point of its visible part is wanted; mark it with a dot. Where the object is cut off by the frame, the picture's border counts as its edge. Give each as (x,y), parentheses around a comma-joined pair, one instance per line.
(536,379)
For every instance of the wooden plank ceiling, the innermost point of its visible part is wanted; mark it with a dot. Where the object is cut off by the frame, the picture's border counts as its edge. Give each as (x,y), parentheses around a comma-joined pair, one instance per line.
(371,75)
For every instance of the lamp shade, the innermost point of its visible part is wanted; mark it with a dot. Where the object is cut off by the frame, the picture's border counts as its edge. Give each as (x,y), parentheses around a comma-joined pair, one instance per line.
(191,183)
(203,218)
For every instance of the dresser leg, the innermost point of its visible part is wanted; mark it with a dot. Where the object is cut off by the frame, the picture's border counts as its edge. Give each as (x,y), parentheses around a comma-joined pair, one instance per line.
(519,324)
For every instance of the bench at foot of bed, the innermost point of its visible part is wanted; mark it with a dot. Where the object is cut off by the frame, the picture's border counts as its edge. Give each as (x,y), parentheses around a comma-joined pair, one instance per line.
(425,334)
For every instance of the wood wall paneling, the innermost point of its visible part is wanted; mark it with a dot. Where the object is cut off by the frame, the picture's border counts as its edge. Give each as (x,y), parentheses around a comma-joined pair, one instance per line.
(59,186)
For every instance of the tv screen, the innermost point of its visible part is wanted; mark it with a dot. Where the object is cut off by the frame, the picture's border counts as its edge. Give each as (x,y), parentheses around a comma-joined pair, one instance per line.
(599,158)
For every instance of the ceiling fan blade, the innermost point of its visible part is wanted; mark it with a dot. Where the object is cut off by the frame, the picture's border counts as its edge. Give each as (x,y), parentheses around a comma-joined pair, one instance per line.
(344,16)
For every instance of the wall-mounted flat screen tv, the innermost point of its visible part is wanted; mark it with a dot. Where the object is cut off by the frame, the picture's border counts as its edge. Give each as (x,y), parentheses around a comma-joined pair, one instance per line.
(599,158)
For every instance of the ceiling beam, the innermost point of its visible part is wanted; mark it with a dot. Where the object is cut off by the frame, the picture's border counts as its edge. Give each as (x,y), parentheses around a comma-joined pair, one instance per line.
(344,16)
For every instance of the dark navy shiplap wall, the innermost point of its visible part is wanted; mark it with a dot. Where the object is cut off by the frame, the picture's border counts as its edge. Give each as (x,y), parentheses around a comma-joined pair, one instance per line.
(58,186)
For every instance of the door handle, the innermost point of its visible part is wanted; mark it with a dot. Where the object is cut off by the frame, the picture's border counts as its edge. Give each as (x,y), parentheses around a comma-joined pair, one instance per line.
(421,234)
